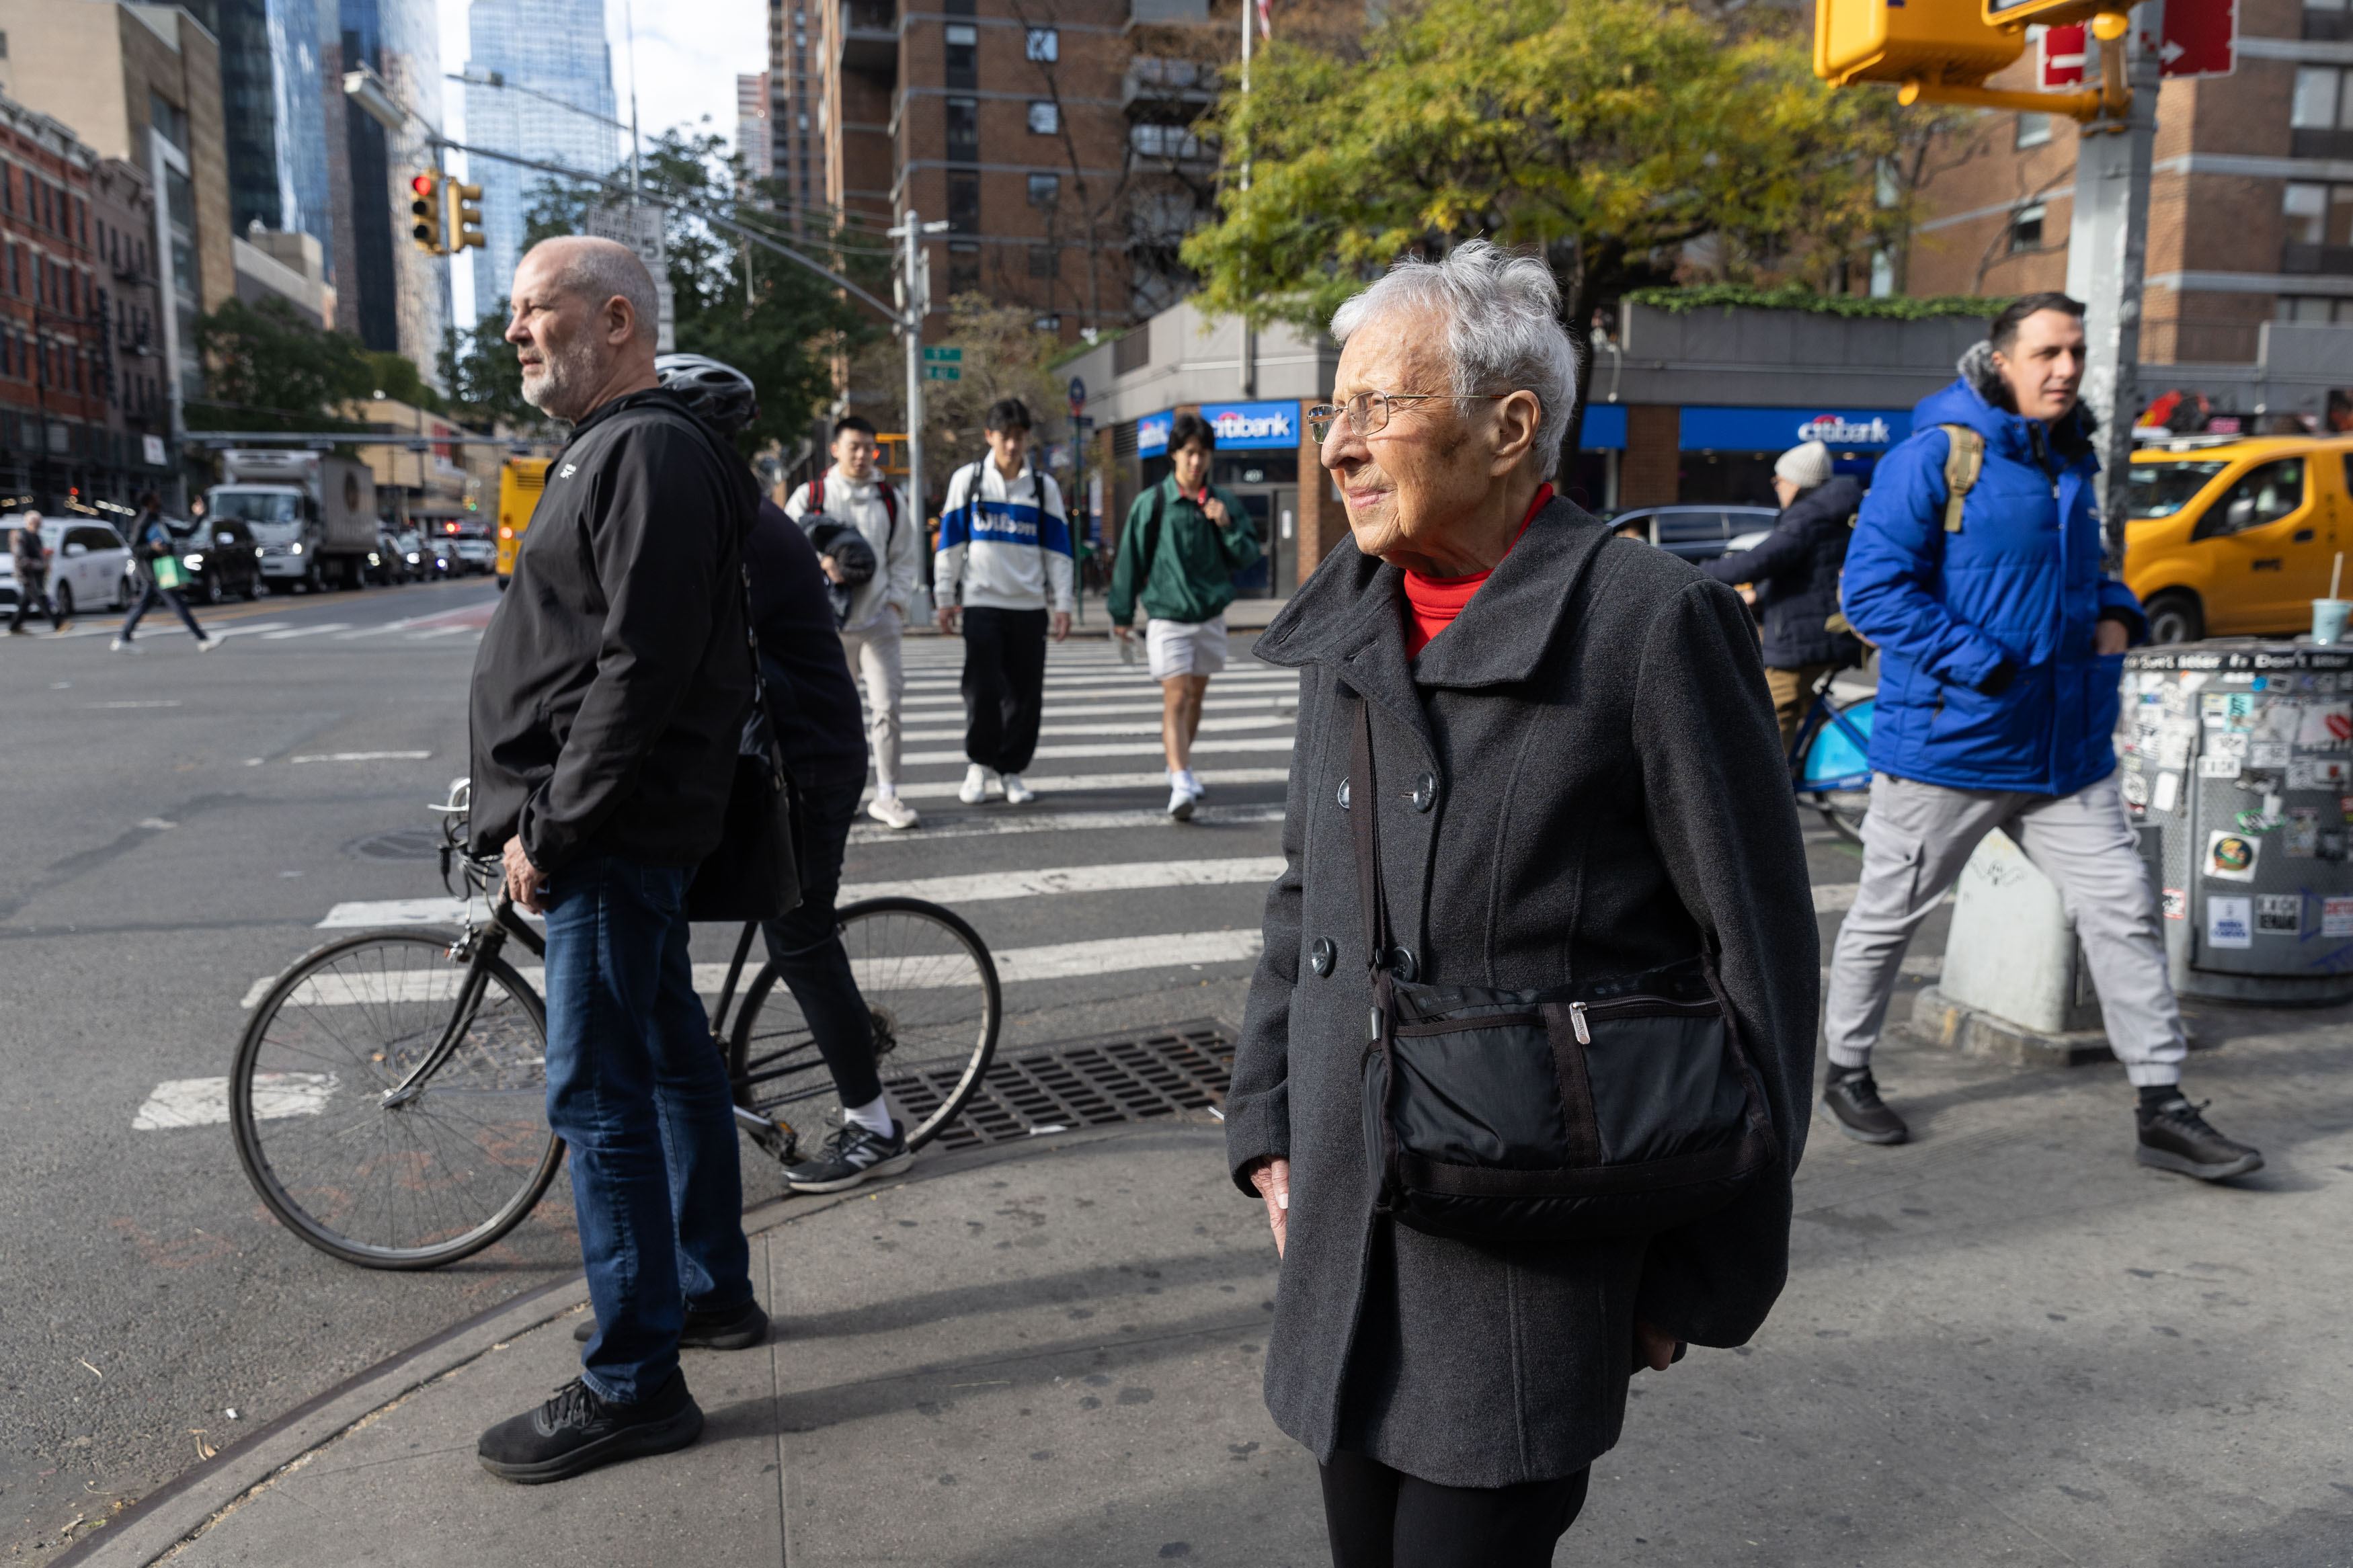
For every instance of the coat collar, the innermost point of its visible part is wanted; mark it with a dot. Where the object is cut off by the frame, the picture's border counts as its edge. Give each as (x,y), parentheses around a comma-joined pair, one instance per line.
(1348,617)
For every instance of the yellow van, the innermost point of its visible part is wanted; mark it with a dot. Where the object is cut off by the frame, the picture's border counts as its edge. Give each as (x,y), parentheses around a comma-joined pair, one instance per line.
(2237,538)
(521,480)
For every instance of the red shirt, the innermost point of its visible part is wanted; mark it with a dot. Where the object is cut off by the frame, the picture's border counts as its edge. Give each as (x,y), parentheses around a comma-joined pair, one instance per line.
(1432,603)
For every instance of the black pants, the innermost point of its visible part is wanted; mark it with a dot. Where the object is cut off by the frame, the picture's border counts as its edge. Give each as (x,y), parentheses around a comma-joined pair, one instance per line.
(1381,1518)
(149,600)
(808,954)
(1004,686)
(31,591)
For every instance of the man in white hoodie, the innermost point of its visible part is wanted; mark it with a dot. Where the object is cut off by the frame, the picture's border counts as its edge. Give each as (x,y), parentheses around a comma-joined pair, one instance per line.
(854,491)
(1006,543)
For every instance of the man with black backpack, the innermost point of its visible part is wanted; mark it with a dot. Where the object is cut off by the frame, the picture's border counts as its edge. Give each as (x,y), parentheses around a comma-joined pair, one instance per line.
(1005,543)
(854,493)
(1183,544)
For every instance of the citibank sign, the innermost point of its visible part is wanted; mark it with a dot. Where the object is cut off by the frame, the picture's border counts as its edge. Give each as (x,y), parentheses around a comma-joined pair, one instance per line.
(1839,430)
(1756,430)
(1248,425)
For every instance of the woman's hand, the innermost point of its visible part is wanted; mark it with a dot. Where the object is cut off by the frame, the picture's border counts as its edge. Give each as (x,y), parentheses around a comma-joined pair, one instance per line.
(1272,1177)
(1654,1346)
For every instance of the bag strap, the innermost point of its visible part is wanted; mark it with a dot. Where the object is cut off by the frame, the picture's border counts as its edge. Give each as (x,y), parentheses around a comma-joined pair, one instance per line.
(1364,823)
(1964,460)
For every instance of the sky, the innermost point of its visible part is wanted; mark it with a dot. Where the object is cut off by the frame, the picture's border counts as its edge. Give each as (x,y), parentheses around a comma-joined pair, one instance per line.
(688,56)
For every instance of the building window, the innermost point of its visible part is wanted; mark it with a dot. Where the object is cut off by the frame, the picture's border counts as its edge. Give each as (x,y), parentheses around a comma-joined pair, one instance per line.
(1048,325)
(2320,114)
(1165,142)
(2314,310)
(964,54)
(2033,130)
(1043,45)
(2325,19)
(1045,190)
(964,266)
(963,128)
(2026,229)
(1045,261)
(963,202)
(1045,117)
(2319,224)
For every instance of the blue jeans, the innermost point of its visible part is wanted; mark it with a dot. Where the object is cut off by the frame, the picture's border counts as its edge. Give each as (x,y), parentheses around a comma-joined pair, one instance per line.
(637,1091)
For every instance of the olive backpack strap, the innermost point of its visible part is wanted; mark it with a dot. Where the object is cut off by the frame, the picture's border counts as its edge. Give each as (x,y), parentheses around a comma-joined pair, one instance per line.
(1964,460)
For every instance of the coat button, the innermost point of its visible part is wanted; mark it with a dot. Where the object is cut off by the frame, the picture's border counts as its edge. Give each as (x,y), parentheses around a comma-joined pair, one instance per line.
(1401,963)
(1425,792)
(1322,955)
(1343,794)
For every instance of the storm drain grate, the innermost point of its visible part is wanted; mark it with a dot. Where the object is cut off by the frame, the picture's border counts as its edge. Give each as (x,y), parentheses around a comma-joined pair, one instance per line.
(1085,1083)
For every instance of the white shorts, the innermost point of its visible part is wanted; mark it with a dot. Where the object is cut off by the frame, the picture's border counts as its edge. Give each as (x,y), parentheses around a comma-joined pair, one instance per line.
(1186,648)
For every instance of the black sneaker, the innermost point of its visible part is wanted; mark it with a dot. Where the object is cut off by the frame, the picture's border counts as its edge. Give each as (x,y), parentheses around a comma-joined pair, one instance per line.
(1851,1104)
(578,1430)
(851,1155)
(2174,1137)
(726,1329)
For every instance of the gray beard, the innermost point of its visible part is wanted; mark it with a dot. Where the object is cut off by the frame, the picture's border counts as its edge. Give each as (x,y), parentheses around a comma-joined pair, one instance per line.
(567,374)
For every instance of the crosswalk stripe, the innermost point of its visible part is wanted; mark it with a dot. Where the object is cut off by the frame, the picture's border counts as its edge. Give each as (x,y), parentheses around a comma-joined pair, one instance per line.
(204,1101)
(994,825)
(320,630)
(1219,702)
(1156,779)
(363,757)
(1078,686)
(1081,754)
(1130,727)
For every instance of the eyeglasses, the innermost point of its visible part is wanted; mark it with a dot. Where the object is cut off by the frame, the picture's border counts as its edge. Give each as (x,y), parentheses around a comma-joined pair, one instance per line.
(1369,412)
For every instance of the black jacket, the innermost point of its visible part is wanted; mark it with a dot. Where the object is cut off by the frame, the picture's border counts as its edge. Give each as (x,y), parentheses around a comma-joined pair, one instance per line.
(811,696)
(1796,570)
(611,687)
(1605,793)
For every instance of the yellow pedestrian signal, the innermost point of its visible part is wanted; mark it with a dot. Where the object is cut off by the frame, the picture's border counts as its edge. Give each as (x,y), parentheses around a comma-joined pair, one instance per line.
(465,220)
(1932,41)
(425,208)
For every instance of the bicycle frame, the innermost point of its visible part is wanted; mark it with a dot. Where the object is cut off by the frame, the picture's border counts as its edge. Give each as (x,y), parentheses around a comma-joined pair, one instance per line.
(1823,714)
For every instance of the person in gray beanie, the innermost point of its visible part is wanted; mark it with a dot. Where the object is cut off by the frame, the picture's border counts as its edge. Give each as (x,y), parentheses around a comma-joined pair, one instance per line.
(1794,570)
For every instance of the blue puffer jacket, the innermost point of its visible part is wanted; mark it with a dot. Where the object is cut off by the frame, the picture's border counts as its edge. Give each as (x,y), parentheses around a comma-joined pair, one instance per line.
(2019,583)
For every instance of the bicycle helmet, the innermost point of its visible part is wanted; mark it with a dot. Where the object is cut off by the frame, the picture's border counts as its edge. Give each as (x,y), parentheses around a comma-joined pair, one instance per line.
(721,394)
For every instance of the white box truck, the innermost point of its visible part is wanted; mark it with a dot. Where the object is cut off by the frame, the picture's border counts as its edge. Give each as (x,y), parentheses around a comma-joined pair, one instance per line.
(313,514)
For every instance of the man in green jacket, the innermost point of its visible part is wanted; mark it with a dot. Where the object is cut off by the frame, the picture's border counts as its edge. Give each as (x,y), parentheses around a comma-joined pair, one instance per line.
(1186,540)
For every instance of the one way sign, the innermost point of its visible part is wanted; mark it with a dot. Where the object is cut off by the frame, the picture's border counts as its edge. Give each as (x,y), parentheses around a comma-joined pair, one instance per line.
(2200,38)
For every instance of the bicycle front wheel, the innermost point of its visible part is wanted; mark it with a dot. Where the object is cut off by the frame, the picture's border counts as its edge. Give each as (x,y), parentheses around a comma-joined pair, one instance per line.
(934,1005)
(380,1180)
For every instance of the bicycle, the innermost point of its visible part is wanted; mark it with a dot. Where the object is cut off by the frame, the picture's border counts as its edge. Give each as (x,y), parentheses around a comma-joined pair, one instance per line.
(388,1098)
(1830,760)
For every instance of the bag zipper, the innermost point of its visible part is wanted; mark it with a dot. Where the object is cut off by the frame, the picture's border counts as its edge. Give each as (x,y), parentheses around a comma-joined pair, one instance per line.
(1628,1006)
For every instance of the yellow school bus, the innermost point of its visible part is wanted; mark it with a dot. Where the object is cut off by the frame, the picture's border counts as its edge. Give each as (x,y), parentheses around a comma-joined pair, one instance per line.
(521,480)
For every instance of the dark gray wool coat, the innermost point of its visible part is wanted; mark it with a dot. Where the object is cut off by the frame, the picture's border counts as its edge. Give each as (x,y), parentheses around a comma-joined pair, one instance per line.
(1606,793)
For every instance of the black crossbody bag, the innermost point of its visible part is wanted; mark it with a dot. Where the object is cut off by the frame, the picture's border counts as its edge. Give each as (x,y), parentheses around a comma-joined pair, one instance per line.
(754,874)
(1623,1108)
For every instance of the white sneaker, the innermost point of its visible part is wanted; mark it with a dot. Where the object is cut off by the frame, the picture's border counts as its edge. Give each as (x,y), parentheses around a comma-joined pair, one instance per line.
(976,785)
(1183,779)
(206,645)
(1017,792)
(119,646)
(1181,803)
(891,811)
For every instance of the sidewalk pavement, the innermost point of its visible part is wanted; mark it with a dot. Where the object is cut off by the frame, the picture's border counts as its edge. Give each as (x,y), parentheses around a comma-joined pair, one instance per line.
(2003,1343)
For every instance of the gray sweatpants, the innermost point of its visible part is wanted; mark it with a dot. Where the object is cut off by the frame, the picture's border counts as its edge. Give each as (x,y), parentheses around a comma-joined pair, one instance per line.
(1915,840)
(873,652)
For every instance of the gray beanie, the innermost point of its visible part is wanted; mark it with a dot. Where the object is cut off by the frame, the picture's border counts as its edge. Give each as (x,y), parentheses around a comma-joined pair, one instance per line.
(1804,466)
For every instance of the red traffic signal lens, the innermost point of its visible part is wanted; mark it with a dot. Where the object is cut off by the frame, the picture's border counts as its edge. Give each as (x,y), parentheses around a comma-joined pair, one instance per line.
(422,184)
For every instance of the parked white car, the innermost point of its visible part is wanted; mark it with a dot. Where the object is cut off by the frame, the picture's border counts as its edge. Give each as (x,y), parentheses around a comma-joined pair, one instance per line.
(87,562)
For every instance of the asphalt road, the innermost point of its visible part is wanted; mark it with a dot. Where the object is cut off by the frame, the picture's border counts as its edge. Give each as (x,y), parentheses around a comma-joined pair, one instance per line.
(181,825)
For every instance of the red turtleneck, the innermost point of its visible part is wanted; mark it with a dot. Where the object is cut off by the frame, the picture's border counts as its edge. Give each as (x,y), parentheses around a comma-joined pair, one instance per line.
(1432,603)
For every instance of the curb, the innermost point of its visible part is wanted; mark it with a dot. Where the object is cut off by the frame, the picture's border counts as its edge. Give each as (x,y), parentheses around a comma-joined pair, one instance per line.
(185,1507)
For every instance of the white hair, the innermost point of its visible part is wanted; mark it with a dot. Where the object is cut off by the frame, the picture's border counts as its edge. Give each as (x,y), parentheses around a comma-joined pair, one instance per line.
(1503,328)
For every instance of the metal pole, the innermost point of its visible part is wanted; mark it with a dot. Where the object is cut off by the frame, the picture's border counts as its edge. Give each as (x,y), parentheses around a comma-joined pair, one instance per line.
(629,26)
(1246,355)
(2107,250)
(913,327)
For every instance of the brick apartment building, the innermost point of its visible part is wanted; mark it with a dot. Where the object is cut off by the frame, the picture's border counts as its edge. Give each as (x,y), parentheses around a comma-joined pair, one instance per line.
(2250,213)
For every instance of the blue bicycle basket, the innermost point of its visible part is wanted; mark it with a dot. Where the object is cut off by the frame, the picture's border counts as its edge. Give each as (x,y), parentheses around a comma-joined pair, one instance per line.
(1834,761)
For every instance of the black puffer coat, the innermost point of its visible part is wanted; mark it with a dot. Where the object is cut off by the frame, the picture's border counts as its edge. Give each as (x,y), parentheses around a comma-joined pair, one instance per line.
(1589,786)
(1796,570)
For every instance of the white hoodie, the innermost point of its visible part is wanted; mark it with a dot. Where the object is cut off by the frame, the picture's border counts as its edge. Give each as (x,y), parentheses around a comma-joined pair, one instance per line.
(1006,541)
(898,543)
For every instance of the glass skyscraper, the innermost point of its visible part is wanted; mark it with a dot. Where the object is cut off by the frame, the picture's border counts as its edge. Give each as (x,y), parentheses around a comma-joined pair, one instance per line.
(556,49)
(274,113)
(392,295)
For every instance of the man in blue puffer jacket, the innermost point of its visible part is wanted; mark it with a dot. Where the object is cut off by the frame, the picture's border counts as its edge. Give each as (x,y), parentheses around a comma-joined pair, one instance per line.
(2001,643)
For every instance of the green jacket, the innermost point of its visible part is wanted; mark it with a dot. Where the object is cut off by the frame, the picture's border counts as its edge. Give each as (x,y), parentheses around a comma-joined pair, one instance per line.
(1191,575)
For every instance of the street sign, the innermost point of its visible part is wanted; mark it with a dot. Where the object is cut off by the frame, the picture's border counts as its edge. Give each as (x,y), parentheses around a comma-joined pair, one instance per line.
(943,356)
(640,228)
(941,373)
(1078,394)
(2199,40)
(2059,54)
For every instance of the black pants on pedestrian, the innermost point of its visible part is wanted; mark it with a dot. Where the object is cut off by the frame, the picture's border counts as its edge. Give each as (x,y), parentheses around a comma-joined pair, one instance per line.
(149,600)
(1004,686)
(807,948)
(1381,1518)
(30,592)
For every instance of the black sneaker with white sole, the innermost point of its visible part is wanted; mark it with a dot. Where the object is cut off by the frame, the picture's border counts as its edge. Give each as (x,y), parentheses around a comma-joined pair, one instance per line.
(2175,1137)
(579,1429)
(1851,1103)
(852,1155)
(726,1329)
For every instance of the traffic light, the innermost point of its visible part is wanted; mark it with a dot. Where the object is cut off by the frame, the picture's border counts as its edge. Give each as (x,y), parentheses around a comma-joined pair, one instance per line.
(426,209)
(465,221)
(1932,41)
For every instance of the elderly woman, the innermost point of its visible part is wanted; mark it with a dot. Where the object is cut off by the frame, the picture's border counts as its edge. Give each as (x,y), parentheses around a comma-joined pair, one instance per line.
(1559,747)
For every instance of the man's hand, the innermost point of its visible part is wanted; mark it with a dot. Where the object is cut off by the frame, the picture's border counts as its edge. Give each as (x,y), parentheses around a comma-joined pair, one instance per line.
(1215,510)
(1061,625)
(1272,1177)
(896,608)
(525,883)
(1656,1346)
(948,620)
(2113,636)
(832,568)
(1123,633)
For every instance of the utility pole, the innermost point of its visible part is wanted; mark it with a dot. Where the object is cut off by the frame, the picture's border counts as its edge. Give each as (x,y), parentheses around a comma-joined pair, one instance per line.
(630,28)
(916,303)
(1246,356)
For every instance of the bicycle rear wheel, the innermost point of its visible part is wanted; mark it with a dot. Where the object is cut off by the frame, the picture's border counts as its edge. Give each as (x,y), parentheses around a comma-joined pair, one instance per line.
(1832,774)
(416,1184)
(932,993)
